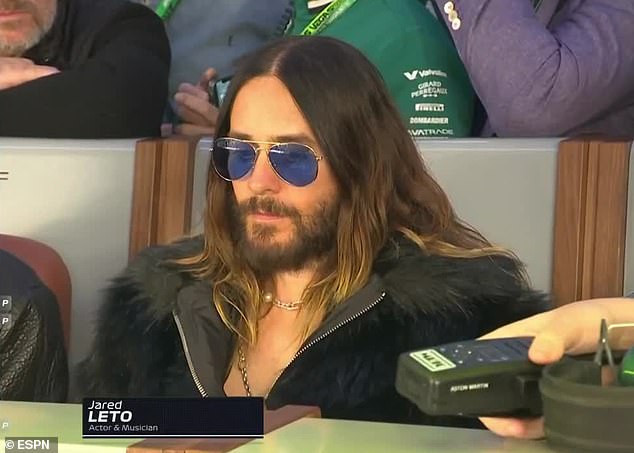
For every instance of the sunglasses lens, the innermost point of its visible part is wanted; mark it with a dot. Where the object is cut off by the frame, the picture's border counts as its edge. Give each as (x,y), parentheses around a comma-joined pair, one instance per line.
(294,162)
(232,159)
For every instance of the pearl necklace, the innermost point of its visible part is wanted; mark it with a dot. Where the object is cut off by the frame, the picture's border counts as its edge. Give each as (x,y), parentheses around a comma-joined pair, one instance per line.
(290,306)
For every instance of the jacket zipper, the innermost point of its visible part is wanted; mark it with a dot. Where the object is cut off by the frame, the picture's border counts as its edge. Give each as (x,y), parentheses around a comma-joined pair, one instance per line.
(190,364)
(324,335)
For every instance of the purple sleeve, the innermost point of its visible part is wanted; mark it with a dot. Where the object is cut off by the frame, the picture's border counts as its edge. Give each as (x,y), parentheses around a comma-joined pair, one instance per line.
(538,81)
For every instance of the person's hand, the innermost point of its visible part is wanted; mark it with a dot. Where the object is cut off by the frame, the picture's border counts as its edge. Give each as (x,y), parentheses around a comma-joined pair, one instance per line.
(571,329)
(16,71)
(198,115)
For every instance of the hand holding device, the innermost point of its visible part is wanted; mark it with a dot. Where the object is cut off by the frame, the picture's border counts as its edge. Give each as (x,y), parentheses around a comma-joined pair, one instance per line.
(480,377)
(218,90)
(569,329)
(449,384)
(193,105)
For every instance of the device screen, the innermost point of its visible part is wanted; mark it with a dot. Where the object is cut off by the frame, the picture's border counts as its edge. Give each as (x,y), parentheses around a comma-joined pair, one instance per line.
(219,91)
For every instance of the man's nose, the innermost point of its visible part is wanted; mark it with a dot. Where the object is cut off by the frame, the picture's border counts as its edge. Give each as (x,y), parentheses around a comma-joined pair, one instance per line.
(263,178)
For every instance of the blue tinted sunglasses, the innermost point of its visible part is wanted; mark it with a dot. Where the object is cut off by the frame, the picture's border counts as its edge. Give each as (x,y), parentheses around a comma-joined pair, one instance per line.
(294,163)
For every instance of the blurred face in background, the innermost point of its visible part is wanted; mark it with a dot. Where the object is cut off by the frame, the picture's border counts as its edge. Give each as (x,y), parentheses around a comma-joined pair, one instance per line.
(23,23)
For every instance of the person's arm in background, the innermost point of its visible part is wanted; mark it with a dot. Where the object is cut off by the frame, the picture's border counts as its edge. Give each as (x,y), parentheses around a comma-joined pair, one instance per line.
(15,71)
(120,91)
(535,81)
(571,329)
(193,106)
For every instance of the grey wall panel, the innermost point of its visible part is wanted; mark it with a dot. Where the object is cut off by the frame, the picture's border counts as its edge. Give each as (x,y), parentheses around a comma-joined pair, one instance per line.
(75,196)
(506,189)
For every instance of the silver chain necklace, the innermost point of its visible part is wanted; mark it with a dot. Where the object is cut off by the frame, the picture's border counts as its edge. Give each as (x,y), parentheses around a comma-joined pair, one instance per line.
(242,359)
(242,366)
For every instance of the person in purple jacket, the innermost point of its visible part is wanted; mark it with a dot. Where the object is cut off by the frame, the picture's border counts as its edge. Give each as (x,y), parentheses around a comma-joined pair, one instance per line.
(571,76)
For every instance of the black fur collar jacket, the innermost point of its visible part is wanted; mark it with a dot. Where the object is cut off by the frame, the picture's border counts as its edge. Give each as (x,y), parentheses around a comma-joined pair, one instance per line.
(158,333)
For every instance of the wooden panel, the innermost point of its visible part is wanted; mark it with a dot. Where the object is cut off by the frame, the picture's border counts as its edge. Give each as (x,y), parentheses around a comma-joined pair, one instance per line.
(590,219)
(176,187)
(589,222)
(162,194)
(606,215)
(572,167)
(272,421)
(145,195)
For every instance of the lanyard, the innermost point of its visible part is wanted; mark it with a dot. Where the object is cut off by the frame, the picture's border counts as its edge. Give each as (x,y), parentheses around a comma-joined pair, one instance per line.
(327,16)
(165,8)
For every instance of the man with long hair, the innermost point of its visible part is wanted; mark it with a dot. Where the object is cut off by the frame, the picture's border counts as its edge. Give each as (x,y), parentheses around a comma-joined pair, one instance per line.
(328,250)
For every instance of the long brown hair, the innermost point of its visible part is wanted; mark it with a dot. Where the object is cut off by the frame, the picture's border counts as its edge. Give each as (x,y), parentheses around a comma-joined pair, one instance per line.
(383,183)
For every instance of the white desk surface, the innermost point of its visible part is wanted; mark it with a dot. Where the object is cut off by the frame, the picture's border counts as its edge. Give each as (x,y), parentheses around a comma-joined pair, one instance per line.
(306,435)
(54,420)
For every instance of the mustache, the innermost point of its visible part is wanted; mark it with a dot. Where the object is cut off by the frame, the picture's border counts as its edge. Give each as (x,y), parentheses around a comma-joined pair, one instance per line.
(18,5)
(267,205)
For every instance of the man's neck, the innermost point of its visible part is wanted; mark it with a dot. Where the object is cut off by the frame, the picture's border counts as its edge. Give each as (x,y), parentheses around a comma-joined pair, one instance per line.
(289,286)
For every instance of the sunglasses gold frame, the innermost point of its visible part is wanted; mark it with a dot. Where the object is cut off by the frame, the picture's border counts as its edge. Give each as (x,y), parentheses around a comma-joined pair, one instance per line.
(268,150)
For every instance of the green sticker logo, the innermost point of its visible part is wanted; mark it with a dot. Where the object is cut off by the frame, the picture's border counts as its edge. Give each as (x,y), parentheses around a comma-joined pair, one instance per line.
(432,360)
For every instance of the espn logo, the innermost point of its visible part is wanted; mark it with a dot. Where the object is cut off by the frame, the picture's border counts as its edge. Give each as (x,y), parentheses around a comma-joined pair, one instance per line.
(41,444)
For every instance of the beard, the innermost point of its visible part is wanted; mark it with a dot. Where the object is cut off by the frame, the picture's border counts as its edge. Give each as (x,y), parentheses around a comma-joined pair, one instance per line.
(313,235)
(43,16)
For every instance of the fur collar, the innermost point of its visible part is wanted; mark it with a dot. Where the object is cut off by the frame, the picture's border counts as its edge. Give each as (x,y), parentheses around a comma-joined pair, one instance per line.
(409,275)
